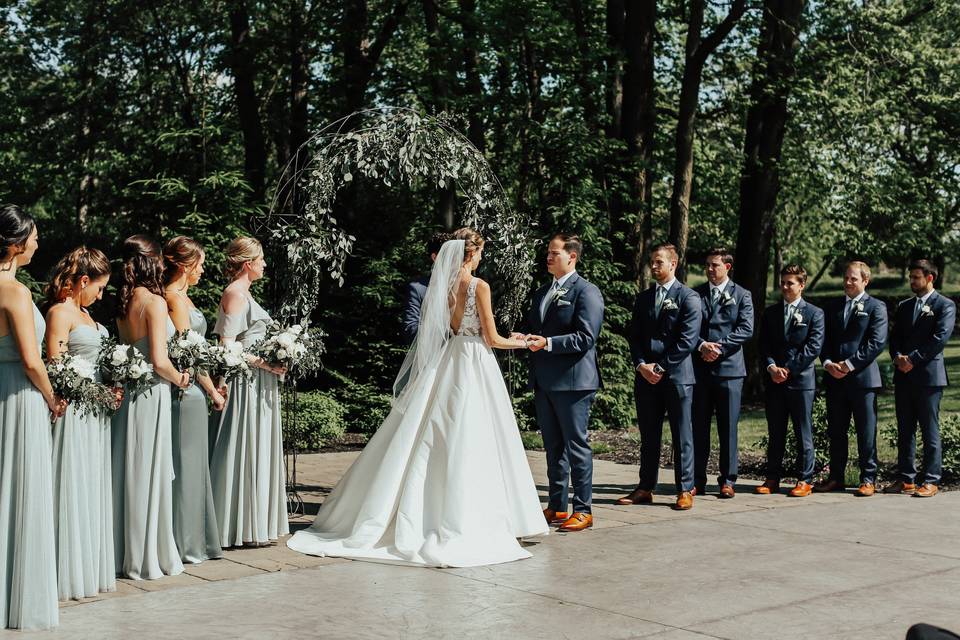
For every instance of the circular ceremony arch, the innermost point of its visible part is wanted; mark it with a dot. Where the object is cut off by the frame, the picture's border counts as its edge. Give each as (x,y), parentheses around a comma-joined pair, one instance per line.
(398,146)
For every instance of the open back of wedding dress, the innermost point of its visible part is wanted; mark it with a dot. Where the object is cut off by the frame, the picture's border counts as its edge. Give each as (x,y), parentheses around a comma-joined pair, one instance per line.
(444,482)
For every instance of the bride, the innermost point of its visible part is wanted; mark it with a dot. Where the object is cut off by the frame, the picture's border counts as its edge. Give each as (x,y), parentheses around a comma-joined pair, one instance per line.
(444,482)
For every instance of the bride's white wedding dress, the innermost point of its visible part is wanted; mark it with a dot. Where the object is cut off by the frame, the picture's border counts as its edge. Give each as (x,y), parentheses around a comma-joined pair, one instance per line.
(444,482)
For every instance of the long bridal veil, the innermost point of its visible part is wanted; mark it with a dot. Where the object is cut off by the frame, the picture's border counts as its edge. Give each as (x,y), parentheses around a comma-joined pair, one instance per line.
(435,312)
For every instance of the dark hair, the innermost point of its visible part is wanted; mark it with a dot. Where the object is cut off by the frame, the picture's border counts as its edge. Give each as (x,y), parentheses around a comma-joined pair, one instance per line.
(795,270)
(928,268)
(571,243)
(436,241)
(73,266)
(725,256)
(667,248)
(180,253)
(16,225)
(142,267)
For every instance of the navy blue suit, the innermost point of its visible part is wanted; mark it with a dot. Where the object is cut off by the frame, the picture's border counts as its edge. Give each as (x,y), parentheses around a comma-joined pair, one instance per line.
(667,340)
(411,308)
(917,393)
(564,381)
(860,340)
(794,347)
(719,387)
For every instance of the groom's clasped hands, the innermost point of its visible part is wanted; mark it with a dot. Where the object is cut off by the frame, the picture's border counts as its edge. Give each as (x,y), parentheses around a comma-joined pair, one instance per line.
(531,342)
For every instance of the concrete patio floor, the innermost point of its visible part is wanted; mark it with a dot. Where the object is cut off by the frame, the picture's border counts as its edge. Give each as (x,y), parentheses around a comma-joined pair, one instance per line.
(827,566)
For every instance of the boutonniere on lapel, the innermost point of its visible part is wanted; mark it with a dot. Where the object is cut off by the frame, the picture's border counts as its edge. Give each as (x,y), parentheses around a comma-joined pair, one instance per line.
(558,294)
(668,305)
(858,308)
(926,311)
(798,319)
(726,299)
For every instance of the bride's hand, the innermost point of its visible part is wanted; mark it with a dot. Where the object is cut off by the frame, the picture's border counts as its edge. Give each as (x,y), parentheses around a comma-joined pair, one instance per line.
(519,336)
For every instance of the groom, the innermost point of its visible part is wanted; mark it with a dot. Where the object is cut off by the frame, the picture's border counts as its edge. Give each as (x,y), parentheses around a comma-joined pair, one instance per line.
(564,377)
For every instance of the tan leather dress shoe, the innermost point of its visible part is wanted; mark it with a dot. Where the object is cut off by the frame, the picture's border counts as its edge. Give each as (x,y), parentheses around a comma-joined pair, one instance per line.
(726,491)
(829,485)
(770,485)
(900,486)
(637,496)
(577,522)
(926,490)
(555,517)
(684,501)
(866,490)
(802,490)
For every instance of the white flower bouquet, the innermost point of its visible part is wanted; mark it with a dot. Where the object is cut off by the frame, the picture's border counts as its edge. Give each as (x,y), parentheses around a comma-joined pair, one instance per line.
(189,351)
(296,348)
(75,380)
(123,365)
(227,361)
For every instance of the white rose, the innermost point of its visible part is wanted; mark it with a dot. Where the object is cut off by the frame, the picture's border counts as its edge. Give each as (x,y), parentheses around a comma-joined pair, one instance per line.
(285,340)
(119,355)
(183,343)
(295,329)
(195,338)
(232,360)
(235,348)
(83,368)
(282,354)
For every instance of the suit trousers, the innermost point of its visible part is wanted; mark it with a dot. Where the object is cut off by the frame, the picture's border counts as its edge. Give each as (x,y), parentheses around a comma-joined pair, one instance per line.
(843,402)
(720,396)
(916,404)
(783,406)
(563,417)
(676,402)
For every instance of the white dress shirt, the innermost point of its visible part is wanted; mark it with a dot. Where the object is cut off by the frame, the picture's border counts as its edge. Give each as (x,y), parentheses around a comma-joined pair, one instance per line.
(548,300)
(850,302)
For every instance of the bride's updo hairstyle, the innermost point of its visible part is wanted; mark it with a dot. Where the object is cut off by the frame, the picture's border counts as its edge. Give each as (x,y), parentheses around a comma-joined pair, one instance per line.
(180,254)
(15,228)
(239,252)
(472,241)
(80,262)
(142,267)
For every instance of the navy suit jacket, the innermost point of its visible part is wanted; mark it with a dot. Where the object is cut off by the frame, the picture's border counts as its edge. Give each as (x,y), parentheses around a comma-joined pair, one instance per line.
(795,349)
(923,341)
(573,323)
(730,324)
(411,308)
(860,342)
(670,338)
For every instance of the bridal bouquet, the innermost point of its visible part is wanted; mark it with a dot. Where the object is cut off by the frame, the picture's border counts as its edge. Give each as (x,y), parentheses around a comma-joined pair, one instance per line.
(75,380)
(189,351)
(227,361)
(296,348)
(122,365)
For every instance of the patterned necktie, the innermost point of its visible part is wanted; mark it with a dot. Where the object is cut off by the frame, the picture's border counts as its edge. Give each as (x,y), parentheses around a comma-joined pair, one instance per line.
(547,299)
(916,309)
(788,313)
(846,312)
(715,297)
(661,294)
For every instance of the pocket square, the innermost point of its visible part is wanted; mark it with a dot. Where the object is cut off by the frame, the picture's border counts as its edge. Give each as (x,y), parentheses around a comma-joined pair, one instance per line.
(563,303)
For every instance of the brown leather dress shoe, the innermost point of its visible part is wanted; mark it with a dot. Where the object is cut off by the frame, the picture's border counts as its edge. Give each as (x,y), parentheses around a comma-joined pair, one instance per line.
(866,490)
(637,496)
(555,517)
(901,486)
(684,501)
(577,522)
(926,490)
(726,491)
(802,490)
(770,485)
(829,485)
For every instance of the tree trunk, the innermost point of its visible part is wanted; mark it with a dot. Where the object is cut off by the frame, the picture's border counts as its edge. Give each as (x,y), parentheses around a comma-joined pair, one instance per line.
(759,181)
(584,63)
(446,201)
(697,51)
(531,81)
(299,77)
(471,64)
(248,112)
(616,16)
(86,75)
(360,55)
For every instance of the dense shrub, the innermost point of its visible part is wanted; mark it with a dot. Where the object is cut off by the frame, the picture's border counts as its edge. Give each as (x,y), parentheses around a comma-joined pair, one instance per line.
(949,440)
(365,406)
(319,419)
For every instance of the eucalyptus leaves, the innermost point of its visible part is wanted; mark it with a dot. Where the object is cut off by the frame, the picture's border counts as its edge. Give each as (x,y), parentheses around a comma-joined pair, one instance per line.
(399,147)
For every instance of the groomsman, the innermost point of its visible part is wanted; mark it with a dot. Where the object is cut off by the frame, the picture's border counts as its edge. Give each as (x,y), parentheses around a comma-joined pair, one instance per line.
(791,336)
(413,297)
(566,318)
(922,325)
(663,335)
(856,332)
(726,324)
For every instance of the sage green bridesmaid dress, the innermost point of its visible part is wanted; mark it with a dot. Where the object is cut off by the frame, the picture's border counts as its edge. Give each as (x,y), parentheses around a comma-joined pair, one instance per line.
(143,480)
(82,496)
(249,484)
(194,516)
(28,557)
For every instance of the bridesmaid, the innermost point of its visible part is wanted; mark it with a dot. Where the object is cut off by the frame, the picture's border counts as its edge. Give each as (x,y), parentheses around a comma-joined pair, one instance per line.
(194,517)
(82,493)
(142,455)
(247,462)
(28,561)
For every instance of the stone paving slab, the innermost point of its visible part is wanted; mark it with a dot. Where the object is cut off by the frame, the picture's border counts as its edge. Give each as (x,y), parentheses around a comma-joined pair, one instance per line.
(826,566)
